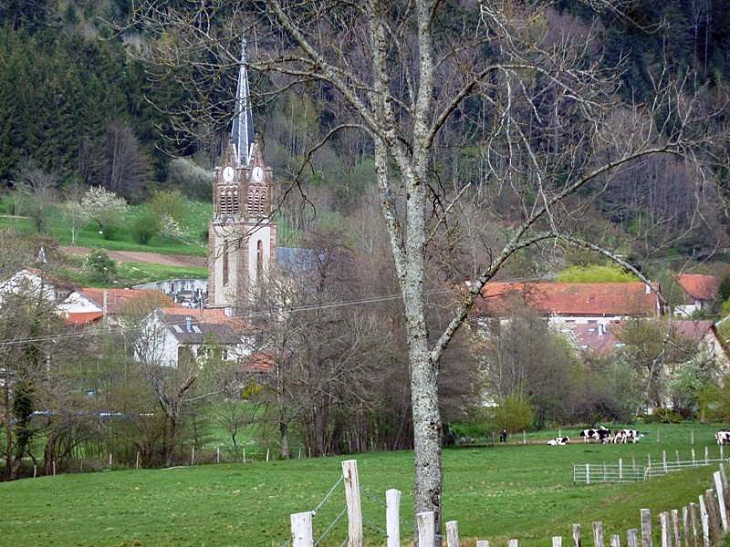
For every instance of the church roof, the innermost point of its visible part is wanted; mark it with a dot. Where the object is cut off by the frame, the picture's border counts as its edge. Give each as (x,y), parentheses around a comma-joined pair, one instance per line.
(291,261)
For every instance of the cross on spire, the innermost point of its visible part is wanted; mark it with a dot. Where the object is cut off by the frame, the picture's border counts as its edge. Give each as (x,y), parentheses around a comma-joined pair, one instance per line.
(242,132)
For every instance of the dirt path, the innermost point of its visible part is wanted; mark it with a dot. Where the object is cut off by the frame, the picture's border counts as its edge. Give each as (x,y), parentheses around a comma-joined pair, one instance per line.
(144,257)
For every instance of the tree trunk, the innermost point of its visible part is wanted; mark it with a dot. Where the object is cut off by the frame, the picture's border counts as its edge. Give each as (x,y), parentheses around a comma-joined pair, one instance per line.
(284,433)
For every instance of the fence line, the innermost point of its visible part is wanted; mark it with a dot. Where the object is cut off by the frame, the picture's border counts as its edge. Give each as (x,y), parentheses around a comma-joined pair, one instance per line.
(592,473)
(709,529)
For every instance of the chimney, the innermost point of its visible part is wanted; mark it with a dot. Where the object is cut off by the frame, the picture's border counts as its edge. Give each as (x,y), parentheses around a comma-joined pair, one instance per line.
(189,324)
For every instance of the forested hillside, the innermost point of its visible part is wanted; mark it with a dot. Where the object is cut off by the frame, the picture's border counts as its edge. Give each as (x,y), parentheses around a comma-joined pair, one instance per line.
(78,102)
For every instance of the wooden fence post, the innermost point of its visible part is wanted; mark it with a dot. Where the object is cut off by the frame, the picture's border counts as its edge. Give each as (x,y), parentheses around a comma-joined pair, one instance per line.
(664,461)
(217,454)
(721,500)
(666,532)
(694,460)
(632,537)
(620,469)
(136,463)
(426,523)
(646,540)
(192,456)
(693,519)
(524,437)
(301,530)
(53,464)
(35,470)
(685,525)
(557,541)
(352,499)
(267,455)
(597,534)
(676,453)
(482,543)
(392,517)
(111,459)
(452,533)
(588,473)
(576,535)
(692,436)
(675,528)
(513,543)
(724,480)
(707,455)
(714,518)
(615,540)
(705,520)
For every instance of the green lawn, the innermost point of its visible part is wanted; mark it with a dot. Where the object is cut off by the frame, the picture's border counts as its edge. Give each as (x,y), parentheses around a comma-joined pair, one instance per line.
(494,493)
(198,215)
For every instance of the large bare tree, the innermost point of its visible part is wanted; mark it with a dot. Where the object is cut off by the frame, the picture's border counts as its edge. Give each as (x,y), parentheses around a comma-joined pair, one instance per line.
(422,79)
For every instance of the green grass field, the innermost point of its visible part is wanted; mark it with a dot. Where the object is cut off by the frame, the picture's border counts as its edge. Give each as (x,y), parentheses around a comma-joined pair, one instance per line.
(495,493)
(196,221)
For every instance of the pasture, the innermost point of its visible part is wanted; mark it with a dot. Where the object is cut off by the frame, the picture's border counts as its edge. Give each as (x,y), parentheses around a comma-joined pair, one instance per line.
(495,492)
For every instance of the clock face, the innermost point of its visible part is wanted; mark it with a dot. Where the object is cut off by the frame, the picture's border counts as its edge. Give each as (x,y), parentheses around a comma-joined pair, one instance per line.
(228,174)
(258,174)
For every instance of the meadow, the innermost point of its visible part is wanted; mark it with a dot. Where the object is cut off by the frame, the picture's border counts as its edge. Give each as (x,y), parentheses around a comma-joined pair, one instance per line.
(494,492)
(197,216)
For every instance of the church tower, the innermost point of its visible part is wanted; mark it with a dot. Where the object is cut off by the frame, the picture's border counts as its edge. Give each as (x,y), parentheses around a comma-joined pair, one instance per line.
(242,236)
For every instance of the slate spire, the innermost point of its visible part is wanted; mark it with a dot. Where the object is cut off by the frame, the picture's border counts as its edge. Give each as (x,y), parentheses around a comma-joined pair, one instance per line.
(242,132)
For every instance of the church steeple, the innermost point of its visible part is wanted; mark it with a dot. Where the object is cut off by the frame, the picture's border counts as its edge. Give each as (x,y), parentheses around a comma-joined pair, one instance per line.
(242,234)
(242,132)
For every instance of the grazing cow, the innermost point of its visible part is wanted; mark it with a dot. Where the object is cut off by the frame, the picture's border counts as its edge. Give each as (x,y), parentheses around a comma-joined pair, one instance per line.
(559,441)
(624,436)
(601,435)
(722,437)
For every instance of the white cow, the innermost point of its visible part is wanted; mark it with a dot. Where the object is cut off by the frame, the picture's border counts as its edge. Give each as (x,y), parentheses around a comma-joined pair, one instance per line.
(559,441)
(722,437)
(624,436)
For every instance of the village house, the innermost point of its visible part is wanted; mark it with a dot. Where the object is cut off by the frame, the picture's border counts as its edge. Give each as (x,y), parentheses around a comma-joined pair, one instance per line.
(699,293)
(89,305)
(173,336)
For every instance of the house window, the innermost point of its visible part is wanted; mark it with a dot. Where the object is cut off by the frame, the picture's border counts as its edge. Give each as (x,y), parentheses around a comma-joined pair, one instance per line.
(259,261)
(225,262)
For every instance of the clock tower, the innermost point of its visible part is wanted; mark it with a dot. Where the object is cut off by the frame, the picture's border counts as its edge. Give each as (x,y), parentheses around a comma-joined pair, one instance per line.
(242,236)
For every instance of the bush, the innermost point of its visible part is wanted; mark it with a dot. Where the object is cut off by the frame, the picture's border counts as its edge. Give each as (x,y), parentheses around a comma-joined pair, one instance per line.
(663,416)
(170,203)
(513,414)
(101,267)
(145,227)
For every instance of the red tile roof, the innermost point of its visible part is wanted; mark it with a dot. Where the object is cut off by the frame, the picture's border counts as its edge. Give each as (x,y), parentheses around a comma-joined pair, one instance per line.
(693,330)
(118,299)
(699,286)
(257,362)
(82,318)
(600,340)
(571,299)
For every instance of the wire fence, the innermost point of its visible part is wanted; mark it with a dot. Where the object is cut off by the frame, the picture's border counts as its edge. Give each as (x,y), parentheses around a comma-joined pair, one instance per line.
(591,473)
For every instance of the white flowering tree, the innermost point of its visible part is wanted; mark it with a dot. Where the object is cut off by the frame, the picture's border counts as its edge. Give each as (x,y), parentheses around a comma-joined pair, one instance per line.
(105,208)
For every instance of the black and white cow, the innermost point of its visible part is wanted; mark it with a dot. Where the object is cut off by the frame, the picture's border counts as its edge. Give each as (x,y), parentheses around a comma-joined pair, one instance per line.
(722,437)
(601,435)
(559,441)
(624,436)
